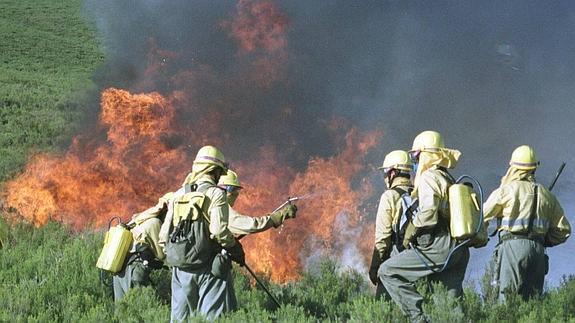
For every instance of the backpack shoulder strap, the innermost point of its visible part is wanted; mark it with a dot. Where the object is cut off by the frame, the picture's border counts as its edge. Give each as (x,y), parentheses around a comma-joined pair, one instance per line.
(399,190)
(449,177)
(533,208)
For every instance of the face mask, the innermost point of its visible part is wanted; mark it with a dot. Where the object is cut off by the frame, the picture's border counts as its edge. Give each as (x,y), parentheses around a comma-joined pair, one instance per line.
(387,183)
(232,197)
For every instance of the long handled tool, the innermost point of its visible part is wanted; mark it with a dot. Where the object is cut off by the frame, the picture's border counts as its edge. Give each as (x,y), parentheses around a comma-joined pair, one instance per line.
(557,176)
(262,285)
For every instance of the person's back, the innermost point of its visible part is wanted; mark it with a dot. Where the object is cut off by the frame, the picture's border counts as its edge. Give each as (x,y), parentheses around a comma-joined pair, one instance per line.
(191,249)
(145,255)
(529,218)
(427,237)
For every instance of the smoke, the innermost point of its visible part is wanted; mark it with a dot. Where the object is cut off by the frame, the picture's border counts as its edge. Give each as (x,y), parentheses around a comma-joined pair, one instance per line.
(488,75)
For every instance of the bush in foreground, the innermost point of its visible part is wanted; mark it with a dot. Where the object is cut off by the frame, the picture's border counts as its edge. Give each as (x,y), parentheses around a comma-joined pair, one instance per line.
(48,274)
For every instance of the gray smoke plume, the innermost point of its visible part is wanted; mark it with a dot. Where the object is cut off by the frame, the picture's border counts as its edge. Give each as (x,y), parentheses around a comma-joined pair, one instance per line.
(489,75)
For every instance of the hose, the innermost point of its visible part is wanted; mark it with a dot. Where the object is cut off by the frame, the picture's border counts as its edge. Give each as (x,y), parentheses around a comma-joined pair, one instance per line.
(464,242)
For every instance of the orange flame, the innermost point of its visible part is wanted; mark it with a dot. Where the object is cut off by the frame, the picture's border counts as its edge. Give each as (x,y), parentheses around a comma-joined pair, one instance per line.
(326,186)
(94,181)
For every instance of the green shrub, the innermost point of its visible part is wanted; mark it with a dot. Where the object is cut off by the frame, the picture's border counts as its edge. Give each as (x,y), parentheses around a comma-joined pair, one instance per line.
(48,274)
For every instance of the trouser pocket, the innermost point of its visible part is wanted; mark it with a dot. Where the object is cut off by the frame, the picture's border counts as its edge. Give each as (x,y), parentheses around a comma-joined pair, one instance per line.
(221,266)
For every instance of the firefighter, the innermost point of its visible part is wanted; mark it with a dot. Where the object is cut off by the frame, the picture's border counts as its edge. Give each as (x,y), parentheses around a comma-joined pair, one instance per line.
(194,288)
(428,234)
(529,219)
(145,254)
(241,225)
(396,168)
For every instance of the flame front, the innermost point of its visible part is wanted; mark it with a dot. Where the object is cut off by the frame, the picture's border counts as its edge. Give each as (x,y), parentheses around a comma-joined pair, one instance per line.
(143,146)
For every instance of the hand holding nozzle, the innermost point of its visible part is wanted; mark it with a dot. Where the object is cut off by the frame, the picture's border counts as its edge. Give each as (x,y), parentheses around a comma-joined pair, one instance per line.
(288,201)
(285,211)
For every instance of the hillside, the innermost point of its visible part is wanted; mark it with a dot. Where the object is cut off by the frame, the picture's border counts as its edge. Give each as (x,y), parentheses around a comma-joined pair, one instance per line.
(47,55)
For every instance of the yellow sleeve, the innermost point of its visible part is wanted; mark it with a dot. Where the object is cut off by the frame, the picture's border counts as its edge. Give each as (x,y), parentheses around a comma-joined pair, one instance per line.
(240,224)
(493,207)
(383,224)
(559,227)
(219,215)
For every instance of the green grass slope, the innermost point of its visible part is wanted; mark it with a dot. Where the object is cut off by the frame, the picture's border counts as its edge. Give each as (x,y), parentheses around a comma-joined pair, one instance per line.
(47,55)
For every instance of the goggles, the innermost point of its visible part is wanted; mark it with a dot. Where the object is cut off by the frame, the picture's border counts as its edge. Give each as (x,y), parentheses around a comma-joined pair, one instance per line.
(414,155)
(231,188)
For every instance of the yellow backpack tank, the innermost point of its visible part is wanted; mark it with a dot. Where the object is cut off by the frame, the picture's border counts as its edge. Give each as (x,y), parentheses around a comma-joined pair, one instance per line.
(464,210)
(117,243)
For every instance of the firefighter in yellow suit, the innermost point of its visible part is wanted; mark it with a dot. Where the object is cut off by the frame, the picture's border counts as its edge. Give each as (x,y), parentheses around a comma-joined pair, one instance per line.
(145,254)
(429,232)
(529,219)
(396,167)
(198,289)
(241,225)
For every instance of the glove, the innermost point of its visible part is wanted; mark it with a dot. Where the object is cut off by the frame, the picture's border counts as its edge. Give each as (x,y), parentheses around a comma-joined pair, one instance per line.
(374,267)
(288,212)
(480,239)
(237,253)
(410,235)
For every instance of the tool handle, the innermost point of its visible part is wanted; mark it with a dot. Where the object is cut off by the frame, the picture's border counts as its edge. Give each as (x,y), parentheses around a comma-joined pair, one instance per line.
(272,297)
(557,176)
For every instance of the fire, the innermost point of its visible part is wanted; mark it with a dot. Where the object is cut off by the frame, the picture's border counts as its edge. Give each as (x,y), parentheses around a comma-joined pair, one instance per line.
(326,186)
(96,179)
(143,145)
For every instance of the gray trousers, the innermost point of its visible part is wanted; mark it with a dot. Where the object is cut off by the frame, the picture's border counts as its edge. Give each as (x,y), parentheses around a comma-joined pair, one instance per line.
(399,273)
(200,292)
(135,274)
(519,267)
(380,292)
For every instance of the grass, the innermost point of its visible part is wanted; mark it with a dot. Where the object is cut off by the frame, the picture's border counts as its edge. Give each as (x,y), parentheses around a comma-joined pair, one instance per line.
(47,54)
(49,275)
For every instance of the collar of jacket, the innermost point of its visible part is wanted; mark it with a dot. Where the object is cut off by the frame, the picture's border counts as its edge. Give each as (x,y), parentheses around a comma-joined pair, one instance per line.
(206,179)
(401,181)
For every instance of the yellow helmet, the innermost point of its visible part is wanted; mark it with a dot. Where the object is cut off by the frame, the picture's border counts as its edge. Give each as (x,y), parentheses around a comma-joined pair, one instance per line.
(524,157)
(230,179)
(397,159)
(210,155)
(428,140)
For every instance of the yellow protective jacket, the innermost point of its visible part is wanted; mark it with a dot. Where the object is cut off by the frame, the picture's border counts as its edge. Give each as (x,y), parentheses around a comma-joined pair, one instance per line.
(148,233)
(512,203)
(433,195)
(218,212)
(240,224)
(388,214)
(147,226)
